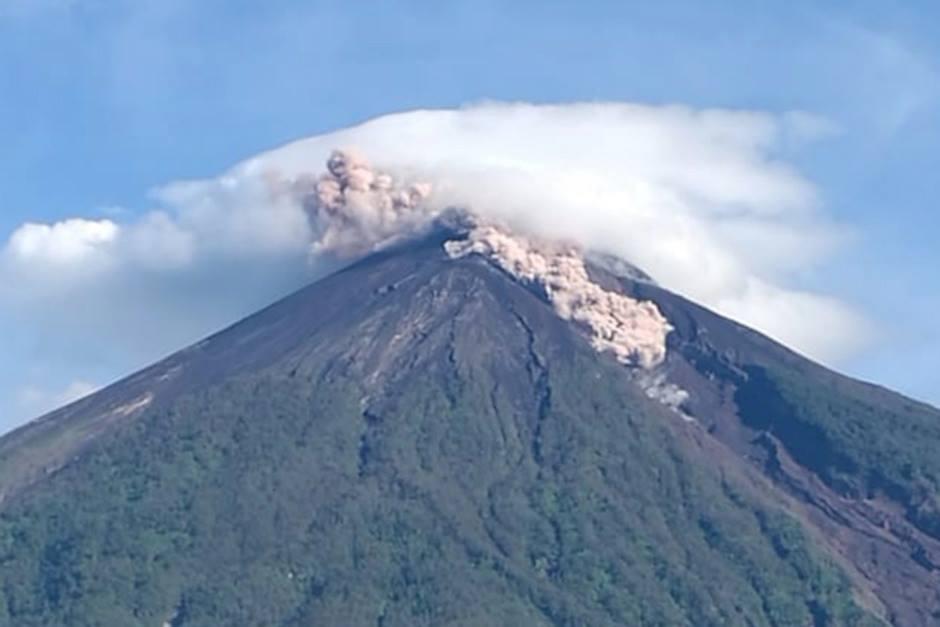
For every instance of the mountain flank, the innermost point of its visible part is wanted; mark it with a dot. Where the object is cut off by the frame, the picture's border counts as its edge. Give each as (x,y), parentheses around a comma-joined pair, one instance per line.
(419,440)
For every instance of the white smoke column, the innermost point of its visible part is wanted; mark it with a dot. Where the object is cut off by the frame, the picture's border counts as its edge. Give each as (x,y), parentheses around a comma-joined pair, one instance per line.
(634,331)
(355,209)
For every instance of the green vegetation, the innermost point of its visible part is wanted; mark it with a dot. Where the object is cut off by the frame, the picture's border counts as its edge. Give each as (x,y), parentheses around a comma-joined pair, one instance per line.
(417,441)
(464,498)
(861,440)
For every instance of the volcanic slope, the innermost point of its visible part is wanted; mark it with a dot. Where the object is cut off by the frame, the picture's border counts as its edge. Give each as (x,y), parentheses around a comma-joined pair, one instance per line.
(417,440)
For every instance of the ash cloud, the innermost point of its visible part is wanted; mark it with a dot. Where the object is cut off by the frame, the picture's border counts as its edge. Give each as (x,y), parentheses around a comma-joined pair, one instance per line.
(355,209)
(633,331)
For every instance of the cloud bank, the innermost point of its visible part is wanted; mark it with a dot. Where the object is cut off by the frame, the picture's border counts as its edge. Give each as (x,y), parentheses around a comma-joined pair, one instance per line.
(703,200)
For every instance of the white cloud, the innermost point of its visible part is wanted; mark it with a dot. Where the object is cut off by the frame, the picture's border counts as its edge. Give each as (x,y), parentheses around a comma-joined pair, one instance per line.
(42,260)
(702,200)
(69,242)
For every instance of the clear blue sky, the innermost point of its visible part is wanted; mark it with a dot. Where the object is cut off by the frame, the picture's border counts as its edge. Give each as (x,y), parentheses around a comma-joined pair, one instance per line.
(102,100)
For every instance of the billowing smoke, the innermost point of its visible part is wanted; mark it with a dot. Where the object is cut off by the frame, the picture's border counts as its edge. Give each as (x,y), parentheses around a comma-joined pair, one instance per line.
(633,331)
(355,209)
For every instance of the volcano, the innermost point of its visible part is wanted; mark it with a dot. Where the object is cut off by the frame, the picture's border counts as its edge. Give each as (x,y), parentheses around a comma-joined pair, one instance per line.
(421,440)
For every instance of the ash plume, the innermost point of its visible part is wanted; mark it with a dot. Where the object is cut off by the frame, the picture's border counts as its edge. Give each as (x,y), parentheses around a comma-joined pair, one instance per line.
(355,209)
(633,331)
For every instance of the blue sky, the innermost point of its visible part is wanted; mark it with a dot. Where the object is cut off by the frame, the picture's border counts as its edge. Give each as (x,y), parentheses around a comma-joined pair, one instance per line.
(102,101)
